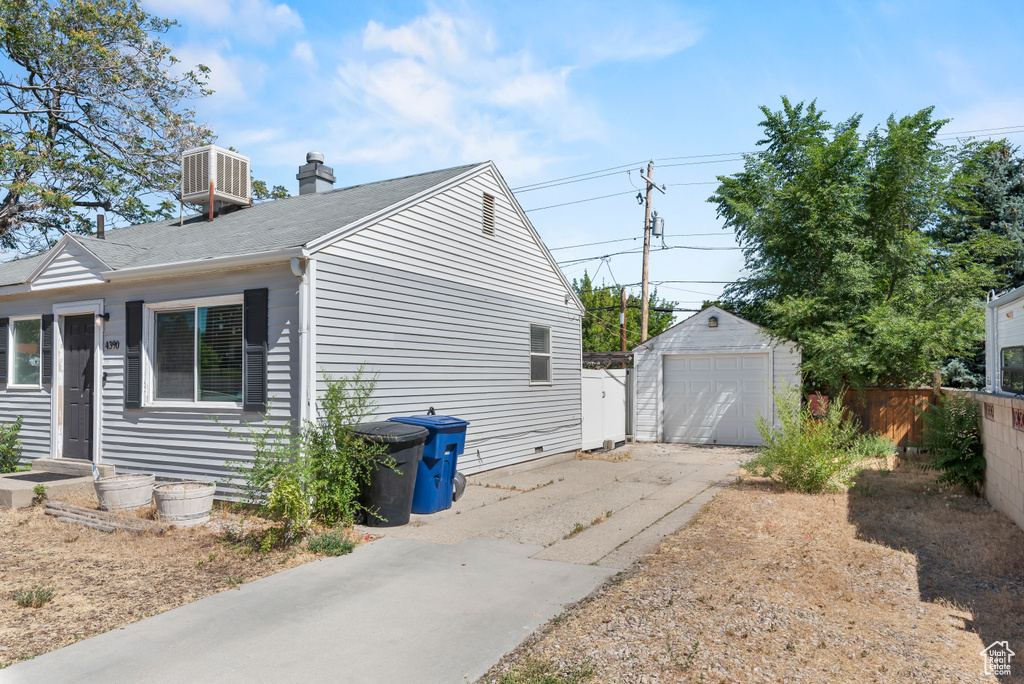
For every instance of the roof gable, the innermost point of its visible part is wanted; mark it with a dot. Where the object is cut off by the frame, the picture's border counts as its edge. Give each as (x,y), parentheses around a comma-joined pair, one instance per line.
(731,331)
(473,183)
(68,264)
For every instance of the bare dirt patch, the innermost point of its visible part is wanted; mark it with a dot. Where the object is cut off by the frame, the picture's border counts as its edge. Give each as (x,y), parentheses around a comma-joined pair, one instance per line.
(102,581)
(897,579)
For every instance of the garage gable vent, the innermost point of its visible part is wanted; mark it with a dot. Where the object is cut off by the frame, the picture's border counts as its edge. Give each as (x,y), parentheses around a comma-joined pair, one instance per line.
(488,224)
(228,170)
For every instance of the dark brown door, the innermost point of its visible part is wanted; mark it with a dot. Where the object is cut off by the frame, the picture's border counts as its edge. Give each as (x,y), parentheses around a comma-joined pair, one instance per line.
(79,345)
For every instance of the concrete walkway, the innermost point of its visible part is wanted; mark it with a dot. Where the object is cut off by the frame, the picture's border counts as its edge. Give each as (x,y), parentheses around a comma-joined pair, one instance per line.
(438,601)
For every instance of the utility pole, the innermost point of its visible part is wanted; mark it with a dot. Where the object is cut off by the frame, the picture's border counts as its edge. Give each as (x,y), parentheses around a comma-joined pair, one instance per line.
(647,245)
(622,323)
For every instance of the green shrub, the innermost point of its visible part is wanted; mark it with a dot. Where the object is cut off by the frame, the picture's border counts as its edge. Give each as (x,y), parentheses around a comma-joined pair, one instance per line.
(807,453)
(952,437)
(10,445)
(334,543)
(875,446)
(316,474)
(36,597)
(340,462)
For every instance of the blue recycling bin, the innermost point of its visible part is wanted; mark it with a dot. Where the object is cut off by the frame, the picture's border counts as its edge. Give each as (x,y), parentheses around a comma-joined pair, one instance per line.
(435,475)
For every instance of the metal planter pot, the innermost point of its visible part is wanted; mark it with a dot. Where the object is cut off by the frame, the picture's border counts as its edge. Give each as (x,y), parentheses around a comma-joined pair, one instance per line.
(184,503)
(124,492)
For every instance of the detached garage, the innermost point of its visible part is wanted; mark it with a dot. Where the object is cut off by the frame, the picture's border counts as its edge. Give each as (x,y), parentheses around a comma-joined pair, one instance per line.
(707,379)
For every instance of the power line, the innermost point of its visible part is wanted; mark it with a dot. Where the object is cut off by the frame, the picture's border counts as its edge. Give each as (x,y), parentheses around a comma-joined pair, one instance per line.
(589,199)
(619,169)
(639,237)
(633,251)
(552,184)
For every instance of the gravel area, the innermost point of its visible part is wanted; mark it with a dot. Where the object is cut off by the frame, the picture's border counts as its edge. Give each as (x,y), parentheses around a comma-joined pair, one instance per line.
(896,580)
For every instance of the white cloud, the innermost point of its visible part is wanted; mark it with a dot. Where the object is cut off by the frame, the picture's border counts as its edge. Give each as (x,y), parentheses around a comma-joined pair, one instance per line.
(231,77)
(303,52)
(439,85)
(259,20)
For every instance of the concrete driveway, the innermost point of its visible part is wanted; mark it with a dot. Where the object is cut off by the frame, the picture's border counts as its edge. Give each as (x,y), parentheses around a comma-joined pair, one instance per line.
(437,601)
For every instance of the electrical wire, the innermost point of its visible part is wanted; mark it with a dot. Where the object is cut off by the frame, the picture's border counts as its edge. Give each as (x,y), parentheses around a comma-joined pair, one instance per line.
(638,251)
(589,199)
(620,167)
(638,237)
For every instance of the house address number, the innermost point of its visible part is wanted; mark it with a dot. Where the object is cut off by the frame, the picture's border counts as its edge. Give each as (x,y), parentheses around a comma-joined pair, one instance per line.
(112,345)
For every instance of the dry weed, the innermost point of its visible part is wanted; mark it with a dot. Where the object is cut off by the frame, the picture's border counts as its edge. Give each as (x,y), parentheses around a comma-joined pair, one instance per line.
(894,580)
(102,581)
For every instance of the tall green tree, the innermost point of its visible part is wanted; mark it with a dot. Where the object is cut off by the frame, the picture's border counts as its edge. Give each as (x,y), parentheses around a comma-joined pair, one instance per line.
(94,113)
(840,235)
(601,331)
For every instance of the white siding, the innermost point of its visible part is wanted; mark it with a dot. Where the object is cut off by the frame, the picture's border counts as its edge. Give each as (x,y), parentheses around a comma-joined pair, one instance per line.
(1009,332)
(693,336)
(72,267)
(441,313)
(182,442)
(32,405)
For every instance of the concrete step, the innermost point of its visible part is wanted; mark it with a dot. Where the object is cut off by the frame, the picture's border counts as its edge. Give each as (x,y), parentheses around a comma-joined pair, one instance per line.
(68,466)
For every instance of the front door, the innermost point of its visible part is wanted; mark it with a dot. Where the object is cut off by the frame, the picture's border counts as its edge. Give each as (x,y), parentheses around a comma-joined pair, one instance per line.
(79,346)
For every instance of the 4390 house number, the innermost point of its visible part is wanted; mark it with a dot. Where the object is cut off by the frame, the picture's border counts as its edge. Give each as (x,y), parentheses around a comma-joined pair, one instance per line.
(112,345)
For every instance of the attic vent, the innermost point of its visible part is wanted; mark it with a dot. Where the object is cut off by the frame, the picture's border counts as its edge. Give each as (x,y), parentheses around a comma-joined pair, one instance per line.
(488,214)
(228,170)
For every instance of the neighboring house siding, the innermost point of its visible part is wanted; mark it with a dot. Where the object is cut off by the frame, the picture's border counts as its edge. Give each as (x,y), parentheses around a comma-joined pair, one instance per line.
(73,267)
(1009,332)
(441,313)
(693,336)
(179,442)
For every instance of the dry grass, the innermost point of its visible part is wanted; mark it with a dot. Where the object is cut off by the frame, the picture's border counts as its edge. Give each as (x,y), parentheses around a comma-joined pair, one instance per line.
(615,455)
(103,580)
(895,580)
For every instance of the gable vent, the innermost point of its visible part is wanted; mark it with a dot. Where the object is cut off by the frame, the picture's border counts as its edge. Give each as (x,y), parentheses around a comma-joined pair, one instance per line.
(488,214)
(228,170)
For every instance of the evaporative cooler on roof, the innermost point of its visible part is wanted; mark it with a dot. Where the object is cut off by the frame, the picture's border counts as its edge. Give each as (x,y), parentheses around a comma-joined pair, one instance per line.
(228,170)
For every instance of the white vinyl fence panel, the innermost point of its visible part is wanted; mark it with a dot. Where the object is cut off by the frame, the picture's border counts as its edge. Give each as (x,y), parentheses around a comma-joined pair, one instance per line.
(604,407)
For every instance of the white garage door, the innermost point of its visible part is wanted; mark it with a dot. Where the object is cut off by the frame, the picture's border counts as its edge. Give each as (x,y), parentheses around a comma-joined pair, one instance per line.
(715,398)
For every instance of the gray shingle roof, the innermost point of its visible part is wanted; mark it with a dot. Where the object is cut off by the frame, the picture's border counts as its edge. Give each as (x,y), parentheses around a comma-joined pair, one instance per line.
(291,222)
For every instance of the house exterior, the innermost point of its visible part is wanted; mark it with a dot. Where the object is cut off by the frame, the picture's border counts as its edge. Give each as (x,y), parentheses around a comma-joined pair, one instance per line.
(1004,343)
(139,350)
(707,379)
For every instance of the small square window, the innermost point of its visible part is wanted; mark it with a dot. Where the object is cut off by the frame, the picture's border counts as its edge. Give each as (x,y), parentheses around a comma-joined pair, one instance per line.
(26,335)
(540,354)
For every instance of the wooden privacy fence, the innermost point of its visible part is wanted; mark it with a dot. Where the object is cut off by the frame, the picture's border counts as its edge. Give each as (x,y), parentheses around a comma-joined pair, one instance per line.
(892,412)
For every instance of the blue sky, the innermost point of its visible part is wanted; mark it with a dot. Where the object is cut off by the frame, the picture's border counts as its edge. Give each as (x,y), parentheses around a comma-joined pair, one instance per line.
(552,90)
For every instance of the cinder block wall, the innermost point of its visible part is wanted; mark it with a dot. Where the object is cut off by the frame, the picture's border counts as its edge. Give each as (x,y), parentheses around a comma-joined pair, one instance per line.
(1004,454)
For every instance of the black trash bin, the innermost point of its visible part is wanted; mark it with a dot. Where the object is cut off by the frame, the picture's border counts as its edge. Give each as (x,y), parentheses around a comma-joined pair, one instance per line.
(388,497)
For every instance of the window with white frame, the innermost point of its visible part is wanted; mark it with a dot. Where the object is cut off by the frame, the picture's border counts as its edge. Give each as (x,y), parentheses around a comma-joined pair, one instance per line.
(540,354)
(197,355)
(1013,370)
(27,359)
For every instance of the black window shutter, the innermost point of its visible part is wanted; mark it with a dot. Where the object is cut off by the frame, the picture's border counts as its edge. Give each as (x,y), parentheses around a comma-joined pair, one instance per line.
(3,350)
(47,351)
(133,355)
(254,370)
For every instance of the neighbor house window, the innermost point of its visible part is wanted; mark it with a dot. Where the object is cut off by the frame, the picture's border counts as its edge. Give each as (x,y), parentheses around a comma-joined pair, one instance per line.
(540,354)
(27,358)
(198,354)
(1013,370)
